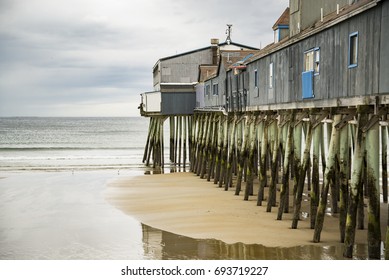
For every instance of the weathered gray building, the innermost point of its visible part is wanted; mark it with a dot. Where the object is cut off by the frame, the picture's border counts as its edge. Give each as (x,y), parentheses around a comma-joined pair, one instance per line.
(213,89)
(175,79)
(341,58)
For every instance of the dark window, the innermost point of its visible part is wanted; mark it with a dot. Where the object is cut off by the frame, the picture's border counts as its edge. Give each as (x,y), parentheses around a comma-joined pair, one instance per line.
(353,50)
(215,89)
(256,78)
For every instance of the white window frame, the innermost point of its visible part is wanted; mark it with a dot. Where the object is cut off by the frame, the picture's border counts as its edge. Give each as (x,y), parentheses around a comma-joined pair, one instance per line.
(312,61)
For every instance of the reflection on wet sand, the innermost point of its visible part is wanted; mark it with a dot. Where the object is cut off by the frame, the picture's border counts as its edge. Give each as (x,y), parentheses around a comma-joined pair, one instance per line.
(162,245)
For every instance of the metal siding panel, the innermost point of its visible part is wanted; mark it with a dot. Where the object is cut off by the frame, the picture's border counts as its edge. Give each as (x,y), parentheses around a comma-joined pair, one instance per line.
(185,66)
(178,103)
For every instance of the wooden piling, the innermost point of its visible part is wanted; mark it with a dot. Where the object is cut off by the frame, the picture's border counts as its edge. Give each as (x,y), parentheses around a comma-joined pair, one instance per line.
(231,148)
(148,140)
(171,138)
(354,188)
(190,138)
(185,135)
(271,199)
(296,157)
(284,197)
(372,160)
(387,237)
(343,174)
(153,127)
(262,165)
(162,144)
(224,155)
(315,190)
(242,151)
(206,149)
(199,143)
(333,150)
(219,148)
(384,161)
(301,177)
(251,164)
(212,148)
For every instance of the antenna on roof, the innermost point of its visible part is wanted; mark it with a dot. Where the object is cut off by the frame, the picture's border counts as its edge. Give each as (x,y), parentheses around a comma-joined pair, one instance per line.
(228,32)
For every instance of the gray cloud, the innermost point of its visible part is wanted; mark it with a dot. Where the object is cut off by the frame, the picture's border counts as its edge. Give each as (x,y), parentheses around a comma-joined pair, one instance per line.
(94,57)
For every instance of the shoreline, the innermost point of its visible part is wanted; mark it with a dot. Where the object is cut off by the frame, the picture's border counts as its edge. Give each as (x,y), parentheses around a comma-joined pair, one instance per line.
(184,204)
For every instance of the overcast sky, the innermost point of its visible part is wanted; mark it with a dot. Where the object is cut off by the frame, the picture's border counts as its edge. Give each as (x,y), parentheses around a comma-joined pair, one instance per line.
(95,57)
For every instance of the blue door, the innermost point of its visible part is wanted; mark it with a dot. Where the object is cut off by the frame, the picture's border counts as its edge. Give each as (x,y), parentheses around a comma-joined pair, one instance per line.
(307,84)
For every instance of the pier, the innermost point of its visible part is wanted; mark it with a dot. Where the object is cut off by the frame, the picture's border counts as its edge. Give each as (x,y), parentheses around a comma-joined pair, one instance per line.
(303,120)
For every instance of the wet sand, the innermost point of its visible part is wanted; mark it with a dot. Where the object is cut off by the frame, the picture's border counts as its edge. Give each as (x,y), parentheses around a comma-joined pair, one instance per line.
(64,216)
(184,204)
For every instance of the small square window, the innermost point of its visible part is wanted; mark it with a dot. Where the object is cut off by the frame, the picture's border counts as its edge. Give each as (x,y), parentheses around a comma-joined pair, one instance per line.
(215,89)
(353,50)
(312,61)
(207,89)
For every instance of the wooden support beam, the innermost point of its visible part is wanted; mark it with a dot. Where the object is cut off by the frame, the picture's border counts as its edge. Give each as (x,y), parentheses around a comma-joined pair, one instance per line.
(315,190)
(171,139)
(333,150)
(355,188)
(224,156)
(384,162)
(344,175)
(147,141)
(231,148)
(387,237)
(271,199)
(251,165)
(284,194)
(296,157)
(243,125)
(301,178)
(262,163)
(185,137)
(372,160)
(219,148)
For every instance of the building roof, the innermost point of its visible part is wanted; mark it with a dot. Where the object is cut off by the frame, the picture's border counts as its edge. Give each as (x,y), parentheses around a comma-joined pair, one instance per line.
(228,59)
(232,59)
(205,48)
(283,19)
(207,72)
(328,21)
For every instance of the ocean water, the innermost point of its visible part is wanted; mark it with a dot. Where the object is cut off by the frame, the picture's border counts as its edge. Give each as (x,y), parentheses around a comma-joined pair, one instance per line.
(72,143)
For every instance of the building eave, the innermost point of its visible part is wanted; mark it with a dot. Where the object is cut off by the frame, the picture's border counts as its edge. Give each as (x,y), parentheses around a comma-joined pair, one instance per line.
(318,27)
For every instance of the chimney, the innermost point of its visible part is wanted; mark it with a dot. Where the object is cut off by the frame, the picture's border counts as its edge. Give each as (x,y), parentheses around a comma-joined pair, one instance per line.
(215,51)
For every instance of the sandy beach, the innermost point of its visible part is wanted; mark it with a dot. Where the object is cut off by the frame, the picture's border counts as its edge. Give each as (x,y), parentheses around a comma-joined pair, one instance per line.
(184,204)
